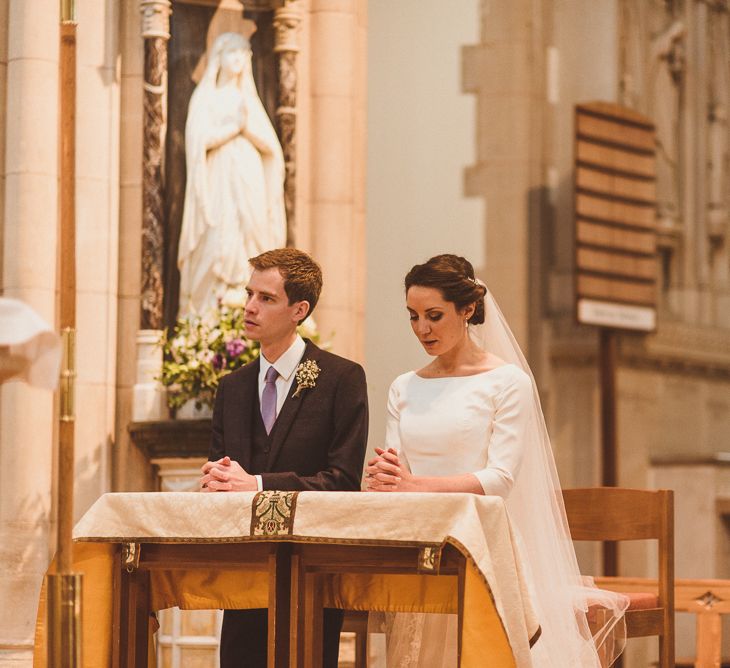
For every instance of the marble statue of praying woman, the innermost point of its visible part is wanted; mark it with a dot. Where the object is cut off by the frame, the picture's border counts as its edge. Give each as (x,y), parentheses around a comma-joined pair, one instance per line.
(234,197)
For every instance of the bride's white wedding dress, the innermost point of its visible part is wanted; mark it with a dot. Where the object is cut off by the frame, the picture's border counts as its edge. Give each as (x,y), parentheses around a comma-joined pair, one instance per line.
(490,424)
(444,427)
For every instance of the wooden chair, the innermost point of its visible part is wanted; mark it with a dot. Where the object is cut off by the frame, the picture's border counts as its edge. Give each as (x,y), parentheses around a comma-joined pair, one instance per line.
(616,514)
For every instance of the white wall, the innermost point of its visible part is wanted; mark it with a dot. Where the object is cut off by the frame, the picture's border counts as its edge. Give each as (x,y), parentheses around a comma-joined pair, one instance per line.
(421,131)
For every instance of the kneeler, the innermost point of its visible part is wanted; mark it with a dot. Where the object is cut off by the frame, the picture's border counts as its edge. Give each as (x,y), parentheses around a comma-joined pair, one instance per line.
(196,590)
(498,618)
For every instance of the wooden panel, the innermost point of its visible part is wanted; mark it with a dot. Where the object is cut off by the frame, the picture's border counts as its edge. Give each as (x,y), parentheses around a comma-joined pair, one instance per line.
(622,213)
(613,289)
(331,558)
(616,159)
(603,129)
(615,185)
(617,263)
(598,234)
(609,513)
(227,556)
(615,112)
(641,623)
(615,206)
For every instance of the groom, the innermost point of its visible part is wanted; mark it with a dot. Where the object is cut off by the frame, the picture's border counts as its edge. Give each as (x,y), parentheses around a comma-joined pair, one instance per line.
(294,419)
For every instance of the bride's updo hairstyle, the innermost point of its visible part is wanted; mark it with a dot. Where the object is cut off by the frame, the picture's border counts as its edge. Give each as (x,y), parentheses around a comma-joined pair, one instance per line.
(454,277)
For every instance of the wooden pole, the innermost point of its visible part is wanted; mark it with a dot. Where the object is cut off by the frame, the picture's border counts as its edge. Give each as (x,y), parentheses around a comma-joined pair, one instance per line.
(609,458)
(67,291)
(64,588)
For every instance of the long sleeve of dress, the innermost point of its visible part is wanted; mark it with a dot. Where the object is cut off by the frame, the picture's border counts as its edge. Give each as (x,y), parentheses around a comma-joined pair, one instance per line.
(392,427)
(507,443)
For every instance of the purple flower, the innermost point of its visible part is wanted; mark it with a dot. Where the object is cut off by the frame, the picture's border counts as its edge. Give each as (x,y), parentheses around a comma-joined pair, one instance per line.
(218,361)
(235,348)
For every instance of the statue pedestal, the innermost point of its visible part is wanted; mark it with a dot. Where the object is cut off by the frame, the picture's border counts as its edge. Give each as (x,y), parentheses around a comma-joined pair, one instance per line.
(188,411)
(149,400)
(176,449)
(179,439)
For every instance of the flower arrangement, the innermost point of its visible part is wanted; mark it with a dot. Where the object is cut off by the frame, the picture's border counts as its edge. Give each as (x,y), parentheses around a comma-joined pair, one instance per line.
(201,349)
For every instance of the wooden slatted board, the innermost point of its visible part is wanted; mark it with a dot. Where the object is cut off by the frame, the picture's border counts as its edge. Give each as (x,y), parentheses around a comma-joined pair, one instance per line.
(615,198)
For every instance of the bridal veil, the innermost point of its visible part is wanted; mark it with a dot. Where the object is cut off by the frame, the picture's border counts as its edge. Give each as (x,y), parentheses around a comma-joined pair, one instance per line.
(535,506)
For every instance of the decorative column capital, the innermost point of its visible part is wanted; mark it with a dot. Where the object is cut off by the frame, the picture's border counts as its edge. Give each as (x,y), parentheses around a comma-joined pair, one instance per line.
(155,18)
(287,20)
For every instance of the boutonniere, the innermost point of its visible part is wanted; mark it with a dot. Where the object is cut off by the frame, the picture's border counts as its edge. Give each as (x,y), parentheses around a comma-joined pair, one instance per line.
(306,376)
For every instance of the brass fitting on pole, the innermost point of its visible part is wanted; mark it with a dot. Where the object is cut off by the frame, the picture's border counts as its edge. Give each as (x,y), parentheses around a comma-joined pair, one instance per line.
(68,11)
(64,631)
(68,375)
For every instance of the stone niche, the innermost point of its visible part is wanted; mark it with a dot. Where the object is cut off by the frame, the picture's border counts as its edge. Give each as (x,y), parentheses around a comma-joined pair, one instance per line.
(194,26)
(176,449)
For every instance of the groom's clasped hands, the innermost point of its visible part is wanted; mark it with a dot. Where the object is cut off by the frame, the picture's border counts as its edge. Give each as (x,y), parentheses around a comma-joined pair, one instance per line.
(226,475)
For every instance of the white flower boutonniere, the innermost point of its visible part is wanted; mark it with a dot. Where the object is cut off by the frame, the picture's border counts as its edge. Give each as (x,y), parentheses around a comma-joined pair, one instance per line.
(306,376)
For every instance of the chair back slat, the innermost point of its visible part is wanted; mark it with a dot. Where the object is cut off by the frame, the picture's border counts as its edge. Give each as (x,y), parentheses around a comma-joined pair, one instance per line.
(609,513)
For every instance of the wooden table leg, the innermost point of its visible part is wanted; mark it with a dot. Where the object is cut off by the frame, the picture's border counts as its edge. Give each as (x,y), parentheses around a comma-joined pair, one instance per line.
(140,603)
(279,601)
(314,621)
(297,618)
(361,648)
(461,584)
(132,632)
(120,601)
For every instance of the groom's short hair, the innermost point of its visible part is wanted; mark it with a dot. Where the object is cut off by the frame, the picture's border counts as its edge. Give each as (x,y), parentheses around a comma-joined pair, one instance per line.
(302,275)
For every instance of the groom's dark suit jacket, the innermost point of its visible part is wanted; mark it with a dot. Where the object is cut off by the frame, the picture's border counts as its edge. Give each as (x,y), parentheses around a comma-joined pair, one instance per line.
(318,440)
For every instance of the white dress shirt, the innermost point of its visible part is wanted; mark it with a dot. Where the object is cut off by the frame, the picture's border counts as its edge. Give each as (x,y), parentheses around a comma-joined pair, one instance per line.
(286,367)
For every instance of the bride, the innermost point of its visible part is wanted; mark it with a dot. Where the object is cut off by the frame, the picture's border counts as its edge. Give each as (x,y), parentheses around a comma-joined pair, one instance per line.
(470,421)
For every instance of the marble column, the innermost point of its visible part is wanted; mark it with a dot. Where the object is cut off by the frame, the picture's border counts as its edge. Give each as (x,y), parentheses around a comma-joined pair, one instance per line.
(30,47)
(156,33)
(148,394)
(287,22)
(336,157)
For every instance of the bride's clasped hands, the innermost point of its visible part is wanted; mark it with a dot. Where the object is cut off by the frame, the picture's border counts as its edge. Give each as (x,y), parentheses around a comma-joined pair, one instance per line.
(385,473)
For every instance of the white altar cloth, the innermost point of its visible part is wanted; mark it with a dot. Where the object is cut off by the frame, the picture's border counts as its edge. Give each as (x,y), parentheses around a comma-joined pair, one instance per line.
(478,526)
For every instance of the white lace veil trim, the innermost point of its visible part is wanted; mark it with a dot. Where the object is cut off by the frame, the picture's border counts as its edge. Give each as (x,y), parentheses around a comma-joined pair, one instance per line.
(535,506)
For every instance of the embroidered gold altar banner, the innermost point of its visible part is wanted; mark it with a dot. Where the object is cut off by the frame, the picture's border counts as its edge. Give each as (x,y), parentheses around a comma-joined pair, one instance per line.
(498,616)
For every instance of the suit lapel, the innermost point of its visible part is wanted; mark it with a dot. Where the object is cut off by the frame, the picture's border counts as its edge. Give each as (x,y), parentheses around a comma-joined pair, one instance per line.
(246,403)
(289,410)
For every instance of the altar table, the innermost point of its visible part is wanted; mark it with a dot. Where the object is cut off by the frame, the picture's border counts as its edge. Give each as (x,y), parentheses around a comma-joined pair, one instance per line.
(296,553)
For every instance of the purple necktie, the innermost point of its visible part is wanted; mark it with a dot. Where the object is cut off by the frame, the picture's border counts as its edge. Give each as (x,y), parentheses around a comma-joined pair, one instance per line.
(268,399)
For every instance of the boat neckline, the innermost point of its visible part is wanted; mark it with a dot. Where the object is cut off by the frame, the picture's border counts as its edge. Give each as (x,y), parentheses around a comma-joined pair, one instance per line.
(470,375)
